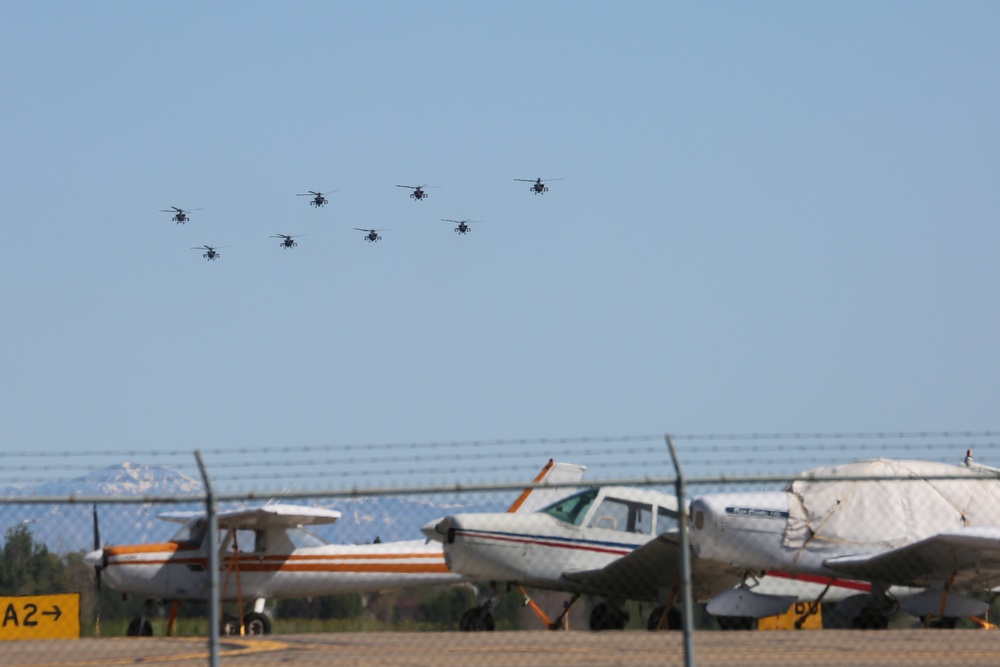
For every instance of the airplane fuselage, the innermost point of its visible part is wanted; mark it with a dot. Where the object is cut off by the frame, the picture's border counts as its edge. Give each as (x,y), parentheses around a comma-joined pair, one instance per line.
(175,571)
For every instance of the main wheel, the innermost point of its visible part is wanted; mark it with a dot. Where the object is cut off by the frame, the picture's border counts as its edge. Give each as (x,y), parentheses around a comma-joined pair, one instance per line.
(657,622)
(870,619)
(607,617)
(476,620)
(139,627)
(257,624)
(230,626)
(736,622)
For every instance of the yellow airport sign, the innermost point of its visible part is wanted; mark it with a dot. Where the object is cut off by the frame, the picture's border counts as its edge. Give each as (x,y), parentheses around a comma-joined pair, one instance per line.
(40,617)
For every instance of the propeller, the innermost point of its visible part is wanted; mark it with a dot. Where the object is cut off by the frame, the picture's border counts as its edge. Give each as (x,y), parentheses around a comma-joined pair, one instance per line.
(97,574)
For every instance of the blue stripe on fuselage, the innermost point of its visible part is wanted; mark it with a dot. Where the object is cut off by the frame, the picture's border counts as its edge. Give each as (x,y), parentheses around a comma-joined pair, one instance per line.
(549,540)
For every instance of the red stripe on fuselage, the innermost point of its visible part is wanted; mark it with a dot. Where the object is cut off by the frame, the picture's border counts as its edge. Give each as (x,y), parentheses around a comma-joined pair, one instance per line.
(553,545)
(849,584)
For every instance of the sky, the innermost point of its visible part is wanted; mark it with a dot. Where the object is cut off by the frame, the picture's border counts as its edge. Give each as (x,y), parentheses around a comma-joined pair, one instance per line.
(772,217)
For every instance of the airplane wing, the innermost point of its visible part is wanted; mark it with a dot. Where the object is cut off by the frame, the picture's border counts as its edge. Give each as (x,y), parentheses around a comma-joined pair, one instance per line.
(654,566)
(265,516)
(971,556)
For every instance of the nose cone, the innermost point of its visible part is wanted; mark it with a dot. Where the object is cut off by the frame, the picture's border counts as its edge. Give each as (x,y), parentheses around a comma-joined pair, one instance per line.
(437,530)
(95,558)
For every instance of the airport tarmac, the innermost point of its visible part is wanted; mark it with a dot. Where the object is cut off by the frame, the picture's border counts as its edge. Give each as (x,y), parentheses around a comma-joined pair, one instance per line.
(827,648)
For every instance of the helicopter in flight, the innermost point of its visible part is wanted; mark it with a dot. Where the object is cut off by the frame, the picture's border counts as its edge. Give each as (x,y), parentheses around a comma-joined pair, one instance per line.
(211,252)
(371,235)
(180,215)
(418,191)
(538,185)
(318,198)
(463,225)
(287,240)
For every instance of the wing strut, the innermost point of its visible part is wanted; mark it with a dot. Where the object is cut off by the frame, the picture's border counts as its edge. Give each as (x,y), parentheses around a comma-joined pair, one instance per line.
(234,566)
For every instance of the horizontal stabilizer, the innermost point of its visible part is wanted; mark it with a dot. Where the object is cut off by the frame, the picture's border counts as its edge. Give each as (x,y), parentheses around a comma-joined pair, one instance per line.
(928,603)
(744,602)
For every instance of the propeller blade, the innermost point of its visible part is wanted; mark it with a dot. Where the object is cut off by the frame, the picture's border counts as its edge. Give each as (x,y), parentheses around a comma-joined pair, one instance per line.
(97,531)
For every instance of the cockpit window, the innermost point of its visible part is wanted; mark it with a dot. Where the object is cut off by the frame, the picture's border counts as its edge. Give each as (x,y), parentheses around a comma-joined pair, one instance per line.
(191,534)
(624,516)
(302,538)
(573,508)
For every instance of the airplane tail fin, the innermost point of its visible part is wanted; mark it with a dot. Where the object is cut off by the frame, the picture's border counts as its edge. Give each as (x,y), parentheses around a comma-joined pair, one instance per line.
(554,472)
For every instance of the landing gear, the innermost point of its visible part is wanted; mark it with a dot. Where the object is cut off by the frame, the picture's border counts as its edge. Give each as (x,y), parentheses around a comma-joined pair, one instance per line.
(140,627)
(736,622)
(608,617)
(477,619)
(257,624)
(870,618)
(662,618)
(230,626)
(254,623)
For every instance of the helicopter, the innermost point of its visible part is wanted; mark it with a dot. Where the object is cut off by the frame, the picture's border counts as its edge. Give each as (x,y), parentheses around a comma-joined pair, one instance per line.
(463,225)
(180,215)
(418,191)
(371,235)
(289,241)
(319,199)
(538,185)
(211,252)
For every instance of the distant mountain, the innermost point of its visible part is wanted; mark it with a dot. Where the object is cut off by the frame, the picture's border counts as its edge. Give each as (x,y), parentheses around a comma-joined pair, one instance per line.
(69,527)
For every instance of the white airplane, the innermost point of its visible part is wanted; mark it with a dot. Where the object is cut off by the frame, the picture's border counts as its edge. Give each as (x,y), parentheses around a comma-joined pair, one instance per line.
(268,552)
(614,543)
(919,544)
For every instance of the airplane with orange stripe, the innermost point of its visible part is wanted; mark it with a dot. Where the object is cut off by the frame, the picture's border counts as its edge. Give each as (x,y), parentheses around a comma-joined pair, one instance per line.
(268,552)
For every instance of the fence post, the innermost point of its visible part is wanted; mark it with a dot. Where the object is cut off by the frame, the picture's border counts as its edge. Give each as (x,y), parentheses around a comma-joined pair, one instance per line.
(214,622)
(687,602)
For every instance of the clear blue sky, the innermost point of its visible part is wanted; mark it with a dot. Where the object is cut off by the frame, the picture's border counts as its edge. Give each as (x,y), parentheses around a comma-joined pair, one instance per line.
(775,216)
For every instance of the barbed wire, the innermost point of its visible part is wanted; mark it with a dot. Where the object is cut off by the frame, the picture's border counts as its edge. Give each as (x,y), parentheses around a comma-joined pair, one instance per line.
(705,454)
(535,441)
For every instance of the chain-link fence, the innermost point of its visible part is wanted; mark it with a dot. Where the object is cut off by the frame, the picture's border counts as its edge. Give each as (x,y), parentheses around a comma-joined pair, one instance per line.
(560,551)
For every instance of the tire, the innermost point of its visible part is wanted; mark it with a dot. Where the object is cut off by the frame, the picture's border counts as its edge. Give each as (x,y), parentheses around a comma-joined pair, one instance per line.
(870,619)
(736,622)
(257,624)
(606,617)
(476,620)
(673,620)
(230,626)
(139,627)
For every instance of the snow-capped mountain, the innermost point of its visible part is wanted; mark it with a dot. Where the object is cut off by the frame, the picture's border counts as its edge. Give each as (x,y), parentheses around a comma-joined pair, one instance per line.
(69,527)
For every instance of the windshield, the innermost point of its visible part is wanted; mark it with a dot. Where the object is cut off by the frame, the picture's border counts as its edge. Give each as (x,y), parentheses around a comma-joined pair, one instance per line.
(192,533)
(573,508)
(302,538)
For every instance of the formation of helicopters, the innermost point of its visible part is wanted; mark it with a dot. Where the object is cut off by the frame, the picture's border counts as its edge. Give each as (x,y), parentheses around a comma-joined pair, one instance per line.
(319,199)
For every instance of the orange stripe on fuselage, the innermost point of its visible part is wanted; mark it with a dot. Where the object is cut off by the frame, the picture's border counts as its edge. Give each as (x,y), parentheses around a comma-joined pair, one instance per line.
(404,568)
(169,547)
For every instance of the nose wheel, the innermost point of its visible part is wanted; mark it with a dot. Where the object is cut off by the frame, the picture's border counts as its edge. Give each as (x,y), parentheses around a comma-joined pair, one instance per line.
(477,619)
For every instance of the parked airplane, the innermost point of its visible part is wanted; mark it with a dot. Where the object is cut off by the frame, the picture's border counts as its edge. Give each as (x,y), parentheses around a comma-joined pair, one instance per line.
(614,543)
(268,552)
(921,541)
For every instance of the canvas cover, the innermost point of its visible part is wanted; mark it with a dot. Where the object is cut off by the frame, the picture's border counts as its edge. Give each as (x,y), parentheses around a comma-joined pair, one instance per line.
(869,516)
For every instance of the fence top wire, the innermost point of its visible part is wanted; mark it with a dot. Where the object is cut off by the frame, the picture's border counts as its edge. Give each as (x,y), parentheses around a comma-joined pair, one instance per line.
(345,469)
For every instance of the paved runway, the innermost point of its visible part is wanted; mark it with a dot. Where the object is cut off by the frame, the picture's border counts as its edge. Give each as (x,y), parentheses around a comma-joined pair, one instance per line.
(827,648)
